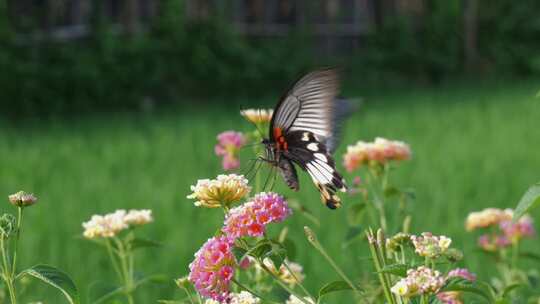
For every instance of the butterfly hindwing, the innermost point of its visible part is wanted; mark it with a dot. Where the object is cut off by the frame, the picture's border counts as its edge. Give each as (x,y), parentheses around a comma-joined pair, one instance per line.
(312,156)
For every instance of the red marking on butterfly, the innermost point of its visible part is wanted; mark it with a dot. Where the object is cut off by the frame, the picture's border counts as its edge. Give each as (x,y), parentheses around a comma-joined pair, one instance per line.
(281,143)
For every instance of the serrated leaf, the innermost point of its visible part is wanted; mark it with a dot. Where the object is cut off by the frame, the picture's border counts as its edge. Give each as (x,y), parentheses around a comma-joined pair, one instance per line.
(333,287)
(399,270)
(529,200)
(137,243)
(56,279)
(355,214)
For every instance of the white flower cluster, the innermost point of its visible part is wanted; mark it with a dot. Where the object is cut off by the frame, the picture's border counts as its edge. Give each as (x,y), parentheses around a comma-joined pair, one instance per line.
(421,280)
(243,297)
(429,245)
(109,225)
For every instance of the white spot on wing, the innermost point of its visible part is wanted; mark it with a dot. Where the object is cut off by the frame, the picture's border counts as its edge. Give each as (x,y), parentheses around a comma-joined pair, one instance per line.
(305,136)
(313,147)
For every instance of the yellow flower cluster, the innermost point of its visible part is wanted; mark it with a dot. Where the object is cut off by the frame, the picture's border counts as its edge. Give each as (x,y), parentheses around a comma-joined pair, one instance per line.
(222,191)
(257,116)
(487,217)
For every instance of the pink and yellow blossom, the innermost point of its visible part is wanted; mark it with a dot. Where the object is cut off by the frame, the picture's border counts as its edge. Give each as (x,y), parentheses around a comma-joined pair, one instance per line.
(213,268)
(379,151)
(228,146)
(251,218)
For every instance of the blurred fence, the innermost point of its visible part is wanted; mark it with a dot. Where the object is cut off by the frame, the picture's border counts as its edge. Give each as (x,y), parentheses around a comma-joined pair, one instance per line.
(70,56)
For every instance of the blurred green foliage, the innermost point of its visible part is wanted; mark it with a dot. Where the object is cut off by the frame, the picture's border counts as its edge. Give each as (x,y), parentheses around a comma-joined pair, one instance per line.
(174,59)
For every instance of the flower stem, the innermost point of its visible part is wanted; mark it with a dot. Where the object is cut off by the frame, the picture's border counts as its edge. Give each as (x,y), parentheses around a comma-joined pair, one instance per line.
(313,241)
(242,286)
(114,262)
(297,280)
(8,278)
(378,267)
(283,285)
(17,237)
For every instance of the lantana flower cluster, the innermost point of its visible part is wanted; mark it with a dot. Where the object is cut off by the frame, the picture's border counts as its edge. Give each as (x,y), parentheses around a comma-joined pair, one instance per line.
(242,297)
(213,268)
(220,192)
(228,146)
(257,116)
(380,151)
(214,265)
(419,281)
(251,218)
(109,225)
(429,245)
(507,231)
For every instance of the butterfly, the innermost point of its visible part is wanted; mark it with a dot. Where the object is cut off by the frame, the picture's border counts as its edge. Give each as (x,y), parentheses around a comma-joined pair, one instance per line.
(304,131)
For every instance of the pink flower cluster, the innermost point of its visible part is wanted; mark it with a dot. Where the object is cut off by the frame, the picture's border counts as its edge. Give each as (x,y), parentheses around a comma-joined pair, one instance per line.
(463,273)
(454,297)
(213,268)
(516,231)
(509,232)
(228,146)
(251,218)
(380,151)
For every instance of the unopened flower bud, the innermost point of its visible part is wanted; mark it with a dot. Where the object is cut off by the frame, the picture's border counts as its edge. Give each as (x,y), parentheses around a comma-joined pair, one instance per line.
(454,255)
(182,282)
(22,199)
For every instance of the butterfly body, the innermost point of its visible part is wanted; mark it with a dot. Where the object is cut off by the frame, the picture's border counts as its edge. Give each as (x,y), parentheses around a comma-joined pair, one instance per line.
(303,132)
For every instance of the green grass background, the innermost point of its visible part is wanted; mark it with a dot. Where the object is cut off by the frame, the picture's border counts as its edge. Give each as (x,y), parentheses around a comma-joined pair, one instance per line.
(474,146)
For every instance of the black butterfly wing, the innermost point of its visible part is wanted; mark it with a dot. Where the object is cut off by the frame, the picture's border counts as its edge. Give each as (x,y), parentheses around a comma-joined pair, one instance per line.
(312,156)
(310,105)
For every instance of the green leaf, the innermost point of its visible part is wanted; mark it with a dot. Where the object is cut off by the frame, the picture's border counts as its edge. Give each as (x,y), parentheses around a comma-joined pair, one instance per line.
(55,278)
(509,289)
(261,249)
(277,254)
(530,199)
(464,287)
(530,255)
(355,214)
(239,253)
(333,287)
(137,243)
